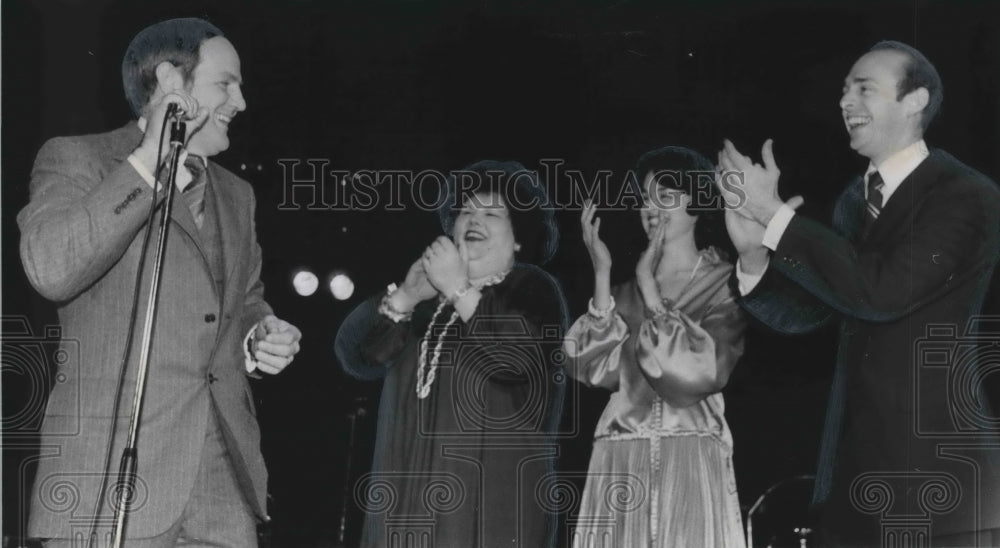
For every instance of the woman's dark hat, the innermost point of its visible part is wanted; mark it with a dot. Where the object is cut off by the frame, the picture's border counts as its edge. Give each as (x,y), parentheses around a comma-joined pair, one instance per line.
(531,213)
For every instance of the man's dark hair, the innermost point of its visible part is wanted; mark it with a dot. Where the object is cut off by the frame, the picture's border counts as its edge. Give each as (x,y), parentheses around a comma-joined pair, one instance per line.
(176,41)
(918,72)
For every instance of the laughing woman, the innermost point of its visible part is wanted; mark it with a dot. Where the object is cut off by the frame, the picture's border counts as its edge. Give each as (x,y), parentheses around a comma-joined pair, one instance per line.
(470,395)
(664,343)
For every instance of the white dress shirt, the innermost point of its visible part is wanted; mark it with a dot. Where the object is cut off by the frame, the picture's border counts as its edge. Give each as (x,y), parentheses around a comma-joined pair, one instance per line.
(184,176)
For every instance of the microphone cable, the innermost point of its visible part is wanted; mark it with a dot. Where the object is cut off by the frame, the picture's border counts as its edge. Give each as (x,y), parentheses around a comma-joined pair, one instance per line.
(130,336)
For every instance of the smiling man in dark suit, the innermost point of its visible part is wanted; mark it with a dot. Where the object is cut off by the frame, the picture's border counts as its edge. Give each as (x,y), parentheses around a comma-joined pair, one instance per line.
(201,479)
(913,247)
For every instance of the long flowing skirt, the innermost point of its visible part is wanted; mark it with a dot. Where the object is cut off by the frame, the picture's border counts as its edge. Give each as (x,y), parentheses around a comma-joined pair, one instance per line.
(660,491)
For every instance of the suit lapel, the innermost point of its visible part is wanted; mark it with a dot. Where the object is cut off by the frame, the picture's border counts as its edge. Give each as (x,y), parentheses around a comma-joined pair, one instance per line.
(181,215)
(849,215)
(231,226)
(904,200)
(184,220)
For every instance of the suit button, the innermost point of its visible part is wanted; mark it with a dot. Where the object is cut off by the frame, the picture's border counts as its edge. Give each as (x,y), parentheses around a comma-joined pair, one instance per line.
(209,318)
(212,378)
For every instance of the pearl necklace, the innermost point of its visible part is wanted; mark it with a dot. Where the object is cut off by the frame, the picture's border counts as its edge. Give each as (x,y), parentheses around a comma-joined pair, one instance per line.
(425,377)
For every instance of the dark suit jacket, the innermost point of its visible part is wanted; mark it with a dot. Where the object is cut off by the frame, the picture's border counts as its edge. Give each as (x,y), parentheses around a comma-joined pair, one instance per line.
(904,406)
(81,236)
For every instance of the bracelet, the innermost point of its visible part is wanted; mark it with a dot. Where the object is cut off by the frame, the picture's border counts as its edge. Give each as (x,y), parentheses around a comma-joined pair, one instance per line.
(600,314)
(459,293)
(386,309)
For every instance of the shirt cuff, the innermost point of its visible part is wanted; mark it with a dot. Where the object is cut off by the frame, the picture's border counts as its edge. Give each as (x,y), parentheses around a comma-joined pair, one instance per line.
(251,362)
(601,318)
(746,282)
(777,226)
(142,170)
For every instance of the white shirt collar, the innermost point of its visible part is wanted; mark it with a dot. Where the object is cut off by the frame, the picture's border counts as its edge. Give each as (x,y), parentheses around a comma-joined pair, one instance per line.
(184,176)
(898,167)
(141,122)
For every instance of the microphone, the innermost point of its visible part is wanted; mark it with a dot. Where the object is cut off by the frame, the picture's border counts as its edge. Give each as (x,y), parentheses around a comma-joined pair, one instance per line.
(177,128)
(174,111)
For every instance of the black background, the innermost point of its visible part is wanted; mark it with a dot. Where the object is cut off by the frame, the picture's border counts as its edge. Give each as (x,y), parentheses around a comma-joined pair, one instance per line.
(437,85)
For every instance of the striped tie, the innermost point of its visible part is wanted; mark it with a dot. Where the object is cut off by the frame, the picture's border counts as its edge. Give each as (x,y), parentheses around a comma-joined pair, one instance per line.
(875,185)
(194,193)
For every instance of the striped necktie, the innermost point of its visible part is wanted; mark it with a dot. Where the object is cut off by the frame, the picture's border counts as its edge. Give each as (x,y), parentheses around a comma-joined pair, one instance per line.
(874,207)
(194,193)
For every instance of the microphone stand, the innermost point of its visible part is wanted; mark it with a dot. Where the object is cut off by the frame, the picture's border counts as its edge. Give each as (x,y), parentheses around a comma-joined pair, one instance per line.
(356,413)
(125,481)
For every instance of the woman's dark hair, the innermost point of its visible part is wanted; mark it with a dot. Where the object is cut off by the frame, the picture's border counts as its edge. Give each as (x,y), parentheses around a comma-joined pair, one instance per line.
(683,169)
(522,191)
(176,41)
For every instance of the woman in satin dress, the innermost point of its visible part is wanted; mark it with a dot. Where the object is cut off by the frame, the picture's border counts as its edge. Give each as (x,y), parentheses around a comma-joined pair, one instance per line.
(664,343)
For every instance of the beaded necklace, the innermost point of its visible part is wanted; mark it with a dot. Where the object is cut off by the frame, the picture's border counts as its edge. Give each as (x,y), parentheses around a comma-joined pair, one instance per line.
(425,377)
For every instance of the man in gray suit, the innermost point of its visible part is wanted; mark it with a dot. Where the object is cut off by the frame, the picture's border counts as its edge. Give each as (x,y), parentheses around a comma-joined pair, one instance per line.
(201,478)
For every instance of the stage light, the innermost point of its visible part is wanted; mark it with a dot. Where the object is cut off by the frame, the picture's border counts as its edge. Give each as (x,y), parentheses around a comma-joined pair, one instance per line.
(342,287)
(305,283)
